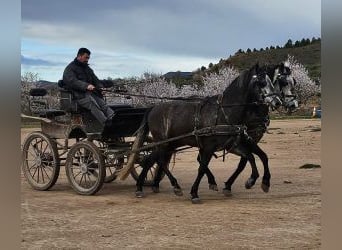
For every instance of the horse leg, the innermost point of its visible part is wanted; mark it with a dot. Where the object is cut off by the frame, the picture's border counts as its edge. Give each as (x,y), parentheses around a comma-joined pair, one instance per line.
(211,178)
(245,150)
(157,179)
(146,164)
(265,185)
(204,161)
(227,191)
(255,174)
(176,188)
(163,161)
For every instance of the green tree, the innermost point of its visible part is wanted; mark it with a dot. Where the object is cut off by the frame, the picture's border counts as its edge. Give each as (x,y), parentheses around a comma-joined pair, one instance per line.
(288,44)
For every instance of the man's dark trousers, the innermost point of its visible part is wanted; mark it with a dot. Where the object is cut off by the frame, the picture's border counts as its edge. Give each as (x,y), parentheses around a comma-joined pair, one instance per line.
(97,106)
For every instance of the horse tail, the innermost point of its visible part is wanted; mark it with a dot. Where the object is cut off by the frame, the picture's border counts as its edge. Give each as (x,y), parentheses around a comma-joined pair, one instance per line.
(143,130)
(140,137)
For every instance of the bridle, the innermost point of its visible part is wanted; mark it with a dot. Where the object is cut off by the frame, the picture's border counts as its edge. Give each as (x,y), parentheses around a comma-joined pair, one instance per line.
(280,78)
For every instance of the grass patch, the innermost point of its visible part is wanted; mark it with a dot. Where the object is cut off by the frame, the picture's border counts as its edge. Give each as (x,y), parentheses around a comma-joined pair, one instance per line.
(309,165)
(273,128)
(290,117)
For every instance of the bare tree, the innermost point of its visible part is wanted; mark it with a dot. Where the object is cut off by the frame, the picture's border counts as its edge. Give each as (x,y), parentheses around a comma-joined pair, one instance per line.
(28,81)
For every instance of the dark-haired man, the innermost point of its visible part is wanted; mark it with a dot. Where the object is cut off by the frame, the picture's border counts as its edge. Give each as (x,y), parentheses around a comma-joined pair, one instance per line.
(86,87)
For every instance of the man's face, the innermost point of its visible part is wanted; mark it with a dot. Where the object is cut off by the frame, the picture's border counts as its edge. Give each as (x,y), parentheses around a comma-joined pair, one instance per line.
(83,58)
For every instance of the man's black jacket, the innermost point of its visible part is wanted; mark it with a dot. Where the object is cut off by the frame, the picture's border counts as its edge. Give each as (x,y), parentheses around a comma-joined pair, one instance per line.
(77,76)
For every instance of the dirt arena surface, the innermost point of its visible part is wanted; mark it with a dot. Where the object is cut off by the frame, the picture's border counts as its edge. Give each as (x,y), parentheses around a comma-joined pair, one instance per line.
(288,217)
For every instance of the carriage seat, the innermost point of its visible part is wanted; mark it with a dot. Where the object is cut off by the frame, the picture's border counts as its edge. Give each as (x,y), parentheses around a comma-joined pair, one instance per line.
(39,104)
(67,102)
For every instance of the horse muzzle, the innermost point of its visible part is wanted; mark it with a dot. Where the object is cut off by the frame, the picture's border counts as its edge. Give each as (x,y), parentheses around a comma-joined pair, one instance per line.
(274,101)
(291,105)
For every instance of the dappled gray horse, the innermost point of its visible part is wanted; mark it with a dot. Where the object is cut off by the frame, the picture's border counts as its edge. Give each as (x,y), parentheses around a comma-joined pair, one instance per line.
(284,83)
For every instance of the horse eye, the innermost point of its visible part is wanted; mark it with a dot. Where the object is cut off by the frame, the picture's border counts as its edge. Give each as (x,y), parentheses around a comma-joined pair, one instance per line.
(262,84)
(284,83)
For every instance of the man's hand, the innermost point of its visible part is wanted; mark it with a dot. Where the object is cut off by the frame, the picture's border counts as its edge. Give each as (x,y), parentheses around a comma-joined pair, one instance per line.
(90,87)
(102,91)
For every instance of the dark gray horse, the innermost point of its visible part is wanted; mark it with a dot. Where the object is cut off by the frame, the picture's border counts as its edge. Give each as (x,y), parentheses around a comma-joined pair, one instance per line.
(169,120)
(256,121)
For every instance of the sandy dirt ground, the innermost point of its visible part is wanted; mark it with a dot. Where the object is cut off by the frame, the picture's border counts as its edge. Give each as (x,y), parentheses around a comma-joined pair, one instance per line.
(288,217)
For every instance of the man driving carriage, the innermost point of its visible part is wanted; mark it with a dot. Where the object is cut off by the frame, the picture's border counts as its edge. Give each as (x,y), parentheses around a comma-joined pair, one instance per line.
(87,88)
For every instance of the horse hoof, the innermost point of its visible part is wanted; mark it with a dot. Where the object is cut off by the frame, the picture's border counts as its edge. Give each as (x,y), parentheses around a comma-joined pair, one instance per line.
(249,183)
(139,194)
(213,187)
(196,200)
(227,192)
(178,191)
(265,187)
(155,189)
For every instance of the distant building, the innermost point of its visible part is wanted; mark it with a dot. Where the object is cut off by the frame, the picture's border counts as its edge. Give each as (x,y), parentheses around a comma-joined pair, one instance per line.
(177,74)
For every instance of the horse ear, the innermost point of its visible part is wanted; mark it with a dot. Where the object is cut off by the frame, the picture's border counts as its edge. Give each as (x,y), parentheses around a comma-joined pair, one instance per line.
(257,67)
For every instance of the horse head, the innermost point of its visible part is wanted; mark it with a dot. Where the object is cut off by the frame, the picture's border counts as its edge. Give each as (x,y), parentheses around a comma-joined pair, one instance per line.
(284,83)
(264,90)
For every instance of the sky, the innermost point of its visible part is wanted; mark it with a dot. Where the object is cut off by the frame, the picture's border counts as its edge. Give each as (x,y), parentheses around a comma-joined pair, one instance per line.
(130,37)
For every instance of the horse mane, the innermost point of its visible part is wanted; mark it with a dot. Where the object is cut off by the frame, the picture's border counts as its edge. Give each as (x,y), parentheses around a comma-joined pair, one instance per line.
(242,79)
(273,69)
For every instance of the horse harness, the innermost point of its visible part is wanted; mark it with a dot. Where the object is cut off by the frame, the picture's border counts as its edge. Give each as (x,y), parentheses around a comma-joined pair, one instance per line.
(237,131)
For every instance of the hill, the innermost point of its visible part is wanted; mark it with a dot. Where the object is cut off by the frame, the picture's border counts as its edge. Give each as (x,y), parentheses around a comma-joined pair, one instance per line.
(309,55)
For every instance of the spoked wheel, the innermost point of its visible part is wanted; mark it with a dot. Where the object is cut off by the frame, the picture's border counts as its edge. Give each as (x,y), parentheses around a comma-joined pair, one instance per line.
(85,168)
(40,161)
(112,164)
(149,180)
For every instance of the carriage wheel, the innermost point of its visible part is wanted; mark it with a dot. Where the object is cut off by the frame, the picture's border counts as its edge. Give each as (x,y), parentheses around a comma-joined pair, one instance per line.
(85,168)
(112,165)
(40,161)
(149,180)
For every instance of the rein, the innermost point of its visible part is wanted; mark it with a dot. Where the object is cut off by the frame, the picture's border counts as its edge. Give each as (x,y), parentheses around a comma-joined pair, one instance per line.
(155,97)
(186,98)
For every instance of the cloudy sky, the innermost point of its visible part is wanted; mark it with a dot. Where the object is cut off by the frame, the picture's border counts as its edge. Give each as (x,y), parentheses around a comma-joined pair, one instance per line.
(130,37)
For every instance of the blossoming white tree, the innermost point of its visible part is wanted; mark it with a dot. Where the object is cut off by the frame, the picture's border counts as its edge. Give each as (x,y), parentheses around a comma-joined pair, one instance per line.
(215,83)
(305,87)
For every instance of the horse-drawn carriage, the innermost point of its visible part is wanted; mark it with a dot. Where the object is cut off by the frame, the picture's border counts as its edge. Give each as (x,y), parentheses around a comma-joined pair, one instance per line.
(93,156)
(73,138)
